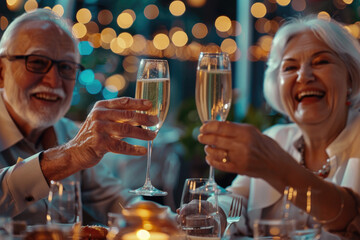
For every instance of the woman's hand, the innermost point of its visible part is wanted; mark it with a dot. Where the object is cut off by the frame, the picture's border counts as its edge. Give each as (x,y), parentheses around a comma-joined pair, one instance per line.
(241,149)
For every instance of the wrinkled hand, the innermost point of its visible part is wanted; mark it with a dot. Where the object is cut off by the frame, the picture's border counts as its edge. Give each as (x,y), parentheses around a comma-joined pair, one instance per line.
(246,149)
(196,207)
(106,125)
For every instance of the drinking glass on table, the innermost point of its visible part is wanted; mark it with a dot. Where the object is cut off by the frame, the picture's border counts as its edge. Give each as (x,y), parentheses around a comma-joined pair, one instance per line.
(199,214)
(153,83)
(65,208)
(213,93)
(276,229)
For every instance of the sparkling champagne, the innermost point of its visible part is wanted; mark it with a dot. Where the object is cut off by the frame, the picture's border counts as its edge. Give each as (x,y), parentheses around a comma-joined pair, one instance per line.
(158,92)
(213,94)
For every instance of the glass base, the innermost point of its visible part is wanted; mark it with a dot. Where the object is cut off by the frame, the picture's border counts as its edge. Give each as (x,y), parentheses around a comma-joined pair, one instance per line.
(211,188)
(148,191)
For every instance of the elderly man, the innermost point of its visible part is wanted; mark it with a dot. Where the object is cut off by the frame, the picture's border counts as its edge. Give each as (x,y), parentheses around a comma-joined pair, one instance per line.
(38,67)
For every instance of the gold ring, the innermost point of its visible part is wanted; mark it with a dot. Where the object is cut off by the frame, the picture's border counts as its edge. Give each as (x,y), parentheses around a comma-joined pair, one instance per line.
(225,160)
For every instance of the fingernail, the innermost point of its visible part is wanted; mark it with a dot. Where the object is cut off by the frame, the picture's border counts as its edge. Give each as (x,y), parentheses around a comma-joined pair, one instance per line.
(147,103)
(124,100)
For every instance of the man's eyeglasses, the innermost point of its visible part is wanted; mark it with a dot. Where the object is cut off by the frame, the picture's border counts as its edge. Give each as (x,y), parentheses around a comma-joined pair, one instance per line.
(41,64)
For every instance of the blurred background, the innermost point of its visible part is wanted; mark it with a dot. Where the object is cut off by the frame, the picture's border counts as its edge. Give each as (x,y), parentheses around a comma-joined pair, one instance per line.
(115,34)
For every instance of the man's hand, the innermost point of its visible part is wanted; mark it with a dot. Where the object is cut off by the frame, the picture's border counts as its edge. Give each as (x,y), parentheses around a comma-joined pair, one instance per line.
(103,130)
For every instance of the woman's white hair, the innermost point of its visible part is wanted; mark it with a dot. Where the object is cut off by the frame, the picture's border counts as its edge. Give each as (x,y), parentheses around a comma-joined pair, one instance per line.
(333,34)
(36,15)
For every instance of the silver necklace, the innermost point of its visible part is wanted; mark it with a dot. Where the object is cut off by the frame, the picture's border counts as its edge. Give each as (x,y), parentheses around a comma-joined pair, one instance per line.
(323,171)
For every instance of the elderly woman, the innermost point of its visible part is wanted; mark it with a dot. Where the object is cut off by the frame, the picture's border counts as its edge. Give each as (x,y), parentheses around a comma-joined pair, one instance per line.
(313,77)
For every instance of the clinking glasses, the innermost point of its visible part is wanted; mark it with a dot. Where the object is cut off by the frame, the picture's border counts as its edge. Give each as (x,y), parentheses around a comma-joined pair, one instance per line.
(41,64)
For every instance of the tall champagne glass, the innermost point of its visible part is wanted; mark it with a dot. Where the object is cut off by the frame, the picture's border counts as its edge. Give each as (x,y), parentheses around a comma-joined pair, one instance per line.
(153,83)
(213,93)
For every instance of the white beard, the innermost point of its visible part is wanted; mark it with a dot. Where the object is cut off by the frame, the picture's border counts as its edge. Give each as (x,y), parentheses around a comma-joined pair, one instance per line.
(36,117)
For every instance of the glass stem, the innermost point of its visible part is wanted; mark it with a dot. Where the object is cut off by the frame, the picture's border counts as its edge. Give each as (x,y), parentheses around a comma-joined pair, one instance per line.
(148,164)
(211,180)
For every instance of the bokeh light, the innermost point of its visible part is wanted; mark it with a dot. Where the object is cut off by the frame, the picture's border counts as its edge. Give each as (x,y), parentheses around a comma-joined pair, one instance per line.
(92,27)
(30,5)
(196,3)
(199,30)
(125,20)
(324,15)
(139,43)
(298,5)
(85,48)
(4,22)
(348,1)
(223,23)
(125,40)
(14,5)
(105,17)
(161,41)
(79,30)
(228,45)
(116,47)
(87,76)
(109,92)
(130,64)
(151,11)
(283,2)
(258,10)
(177,8)
(107,35)
(58,9)
(94,87)
(83,15)
(179,38)
(116,81)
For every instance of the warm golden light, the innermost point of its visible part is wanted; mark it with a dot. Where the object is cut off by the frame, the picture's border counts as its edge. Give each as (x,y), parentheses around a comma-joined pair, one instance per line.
(324,15)
(30,5)
(199,30)
(196,3)
(139,43)
(79,30)
(116,81)
(258,10)
(298,5)
(179,38)
(115,47)
(92,27)
(348,1)
(107,35)
(125,20)
(235,29)
(130,64)
(58,9)
(265,43)
(126,39)
(161,41)
(105,17)
(283,2)
(353,29)
(177,8)
(4,22)
(14,5)
(223,23)
(151,11)
(95,40)
(83,15)
(228,45)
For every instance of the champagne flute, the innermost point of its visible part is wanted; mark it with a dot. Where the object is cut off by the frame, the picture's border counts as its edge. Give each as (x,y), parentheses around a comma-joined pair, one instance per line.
(213,94)
(153,83)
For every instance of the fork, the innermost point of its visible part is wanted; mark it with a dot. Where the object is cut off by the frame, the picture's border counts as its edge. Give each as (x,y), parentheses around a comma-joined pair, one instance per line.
(234,212)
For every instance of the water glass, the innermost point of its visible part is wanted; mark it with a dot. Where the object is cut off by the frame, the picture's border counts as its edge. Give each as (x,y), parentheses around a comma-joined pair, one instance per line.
(65,208)
(199,213)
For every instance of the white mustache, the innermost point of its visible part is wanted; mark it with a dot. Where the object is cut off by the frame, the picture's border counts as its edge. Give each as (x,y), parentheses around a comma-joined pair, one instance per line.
(40,88)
